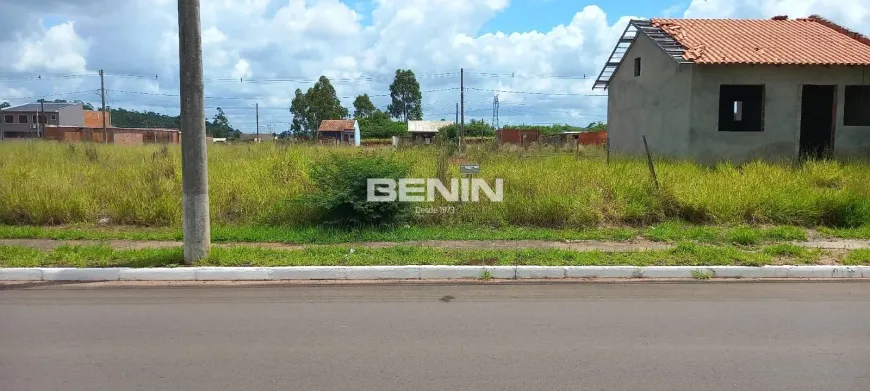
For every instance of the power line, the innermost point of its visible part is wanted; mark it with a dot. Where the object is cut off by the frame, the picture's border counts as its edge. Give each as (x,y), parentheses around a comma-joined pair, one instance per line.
(56,94)
(259,97)
(515,75)
(40,77)
(532,93)
(291,79)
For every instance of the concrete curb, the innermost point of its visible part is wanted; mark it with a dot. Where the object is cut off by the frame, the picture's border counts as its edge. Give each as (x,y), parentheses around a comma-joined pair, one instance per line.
(427,273)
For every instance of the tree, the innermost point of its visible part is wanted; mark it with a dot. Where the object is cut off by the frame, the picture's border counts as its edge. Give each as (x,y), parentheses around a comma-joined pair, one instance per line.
(146,119)
(319,103)
(380,125)
(85,105)
(220,127)
(4,105)
(363,107)
(597,127)
(302,121)
(475,128)
(323,102)
(407,99)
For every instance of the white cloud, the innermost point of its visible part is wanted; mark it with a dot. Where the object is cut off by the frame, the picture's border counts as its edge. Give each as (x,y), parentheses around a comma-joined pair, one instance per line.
(299,40)
(854,14)
(58,49)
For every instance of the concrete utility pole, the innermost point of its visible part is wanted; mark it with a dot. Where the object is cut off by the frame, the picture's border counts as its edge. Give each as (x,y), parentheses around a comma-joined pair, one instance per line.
(257,139)
(461,107)
(194,162)
(457,114)
(40,124)
(495,112)
(103,96)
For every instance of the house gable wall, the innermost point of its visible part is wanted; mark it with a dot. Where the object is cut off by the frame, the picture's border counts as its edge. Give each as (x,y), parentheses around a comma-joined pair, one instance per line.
(656,103)
(71,116)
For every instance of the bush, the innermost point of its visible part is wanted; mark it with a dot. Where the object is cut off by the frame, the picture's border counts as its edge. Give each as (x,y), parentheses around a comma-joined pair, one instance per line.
(380,125)
(475,128)
(341,184)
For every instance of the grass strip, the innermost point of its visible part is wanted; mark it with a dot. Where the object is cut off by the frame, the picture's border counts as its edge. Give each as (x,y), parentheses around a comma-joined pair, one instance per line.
(857,257)
(684,254)
(664,232)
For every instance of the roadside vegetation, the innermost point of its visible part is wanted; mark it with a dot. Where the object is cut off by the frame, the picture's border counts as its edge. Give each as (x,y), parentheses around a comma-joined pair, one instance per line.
(684,254)
(664,232)
(254,186)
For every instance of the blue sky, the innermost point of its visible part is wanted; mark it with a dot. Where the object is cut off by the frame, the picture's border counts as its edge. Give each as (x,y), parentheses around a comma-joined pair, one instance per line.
(543,15)
(294,39)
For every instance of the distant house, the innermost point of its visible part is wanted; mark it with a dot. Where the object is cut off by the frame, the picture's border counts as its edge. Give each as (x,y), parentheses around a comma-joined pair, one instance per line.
(254,138)
(339,131)
(94,119)
(26,121)
(127,136)
(517,136)
(739,89)
(582,138)
(425,131)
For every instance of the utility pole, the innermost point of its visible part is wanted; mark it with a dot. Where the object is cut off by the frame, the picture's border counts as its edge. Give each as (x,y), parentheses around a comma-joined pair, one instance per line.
(461,107)
(194,162)
(103,97)
(457,114)
(495,112)
(39,122)
(257,139)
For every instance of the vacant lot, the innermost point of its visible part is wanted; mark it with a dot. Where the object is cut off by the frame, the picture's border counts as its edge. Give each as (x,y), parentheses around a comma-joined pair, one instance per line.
(51,183)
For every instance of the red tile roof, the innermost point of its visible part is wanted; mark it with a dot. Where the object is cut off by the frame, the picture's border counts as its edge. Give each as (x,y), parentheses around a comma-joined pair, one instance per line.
(806,41)
(336,125)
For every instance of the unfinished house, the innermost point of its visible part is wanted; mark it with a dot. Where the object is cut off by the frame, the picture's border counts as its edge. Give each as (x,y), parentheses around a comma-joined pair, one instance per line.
(739,89)
(339,131)
(30,120)
(425,131)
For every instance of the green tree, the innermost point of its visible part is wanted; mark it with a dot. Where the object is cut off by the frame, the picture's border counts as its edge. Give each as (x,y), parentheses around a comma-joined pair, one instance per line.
(4,105)
(597,127)
(363,107)
(475,128)
(123,118)
(220,127)
(302,121)
(407,100)
(380,125)
(319,103)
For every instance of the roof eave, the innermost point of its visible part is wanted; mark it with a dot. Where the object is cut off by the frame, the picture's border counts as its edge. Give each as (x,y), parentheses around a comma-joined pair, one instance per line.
(639,26)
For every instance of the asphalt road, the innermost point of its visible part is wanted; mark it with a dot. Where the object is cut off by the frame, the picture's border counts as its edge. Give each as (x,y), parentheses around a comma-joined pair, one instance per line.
(669,337)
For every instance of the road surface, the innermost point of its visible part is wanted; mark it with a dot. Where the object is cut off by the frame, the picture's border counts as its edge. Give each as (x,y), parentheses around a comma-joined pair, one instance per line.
(668,337)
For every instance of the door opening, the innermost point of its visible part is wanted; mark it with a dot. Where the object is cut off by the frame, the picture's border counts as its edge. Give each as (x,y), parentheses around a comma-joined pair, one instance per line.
(818,115)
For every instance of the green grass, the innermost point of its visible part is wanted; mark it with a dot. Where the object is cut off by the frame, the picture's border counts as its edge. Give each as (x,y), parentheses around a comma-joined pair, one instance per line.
(46,183)
(304,235)
(857,257)
(685,254)
(672,231)
(664,232)
(792,252)
(847,233)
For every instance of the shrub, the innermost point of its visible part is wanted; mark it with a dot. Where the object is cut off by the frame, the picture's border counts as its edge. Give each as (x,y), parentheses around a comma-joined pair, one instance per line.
(341,190)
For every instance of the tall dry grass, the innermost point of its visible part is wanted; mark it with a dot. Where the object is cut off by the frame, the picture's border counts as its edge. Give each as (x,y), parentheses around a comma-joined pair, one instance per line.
(52,183)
